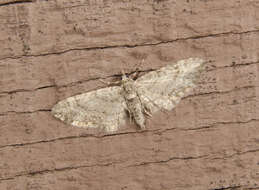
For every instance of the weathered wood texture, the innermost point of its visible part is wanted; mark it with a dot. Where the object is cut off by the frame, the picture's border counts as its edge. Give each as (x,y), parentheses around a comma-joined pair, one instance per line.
(53,49)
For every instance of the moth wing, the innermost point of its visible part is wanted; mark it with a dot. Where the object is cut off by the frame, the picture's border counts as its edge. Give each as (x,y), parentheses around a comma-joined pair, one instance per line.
(104,108)
(164,88)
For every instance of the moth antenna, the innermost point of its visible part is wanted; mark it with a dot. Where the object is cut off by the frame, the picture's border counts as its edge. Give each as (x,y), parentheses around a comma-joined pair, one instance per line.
(122,72)
(138,65)
(101,77)
(135,75)
(123,75)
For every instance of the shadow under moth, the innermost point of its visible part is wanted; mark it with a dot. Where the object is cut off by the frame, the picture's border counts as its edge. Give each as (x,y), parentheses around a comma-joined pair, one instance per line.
(108,108)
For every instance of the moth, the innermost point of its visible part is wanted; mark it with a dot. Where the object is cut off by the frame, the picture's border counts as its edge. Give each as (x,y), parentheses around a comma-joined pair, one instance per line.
(108,108)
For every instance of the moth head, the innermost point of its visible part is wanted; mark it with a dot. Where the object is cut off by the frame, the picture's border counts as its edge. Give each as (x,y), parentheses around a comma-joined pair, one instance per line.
(125,79)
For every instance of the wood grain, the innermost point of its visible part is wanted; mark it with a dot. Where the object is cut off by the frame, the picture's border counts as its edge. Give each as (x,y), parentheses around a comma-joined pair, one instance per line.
(56,49)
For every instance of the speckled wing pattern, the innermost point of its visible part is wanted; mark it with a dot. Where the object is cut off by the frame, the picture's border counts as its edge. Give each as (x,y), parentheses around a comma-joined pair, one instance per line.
(164,88)
(104,108)
(107,108)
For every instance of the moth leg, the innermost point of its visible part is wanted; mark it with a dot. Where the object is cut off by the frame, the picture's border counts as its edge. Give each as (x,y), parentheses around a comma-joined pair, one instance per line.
(147,110)
(135,74)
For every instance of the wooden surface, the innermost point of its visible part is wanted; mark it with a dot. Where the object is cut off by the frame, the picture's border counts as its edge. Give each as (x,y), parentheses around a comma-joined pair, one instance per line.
(53,49)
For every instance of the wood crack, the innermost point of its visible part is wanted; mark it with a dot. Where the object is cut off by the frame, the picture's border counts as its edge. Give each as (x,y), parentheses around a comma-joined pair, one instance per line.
(233,65)
(12,2)
(69,84)
(235,154)
(220,123)
(116,134)
(220,92)
(68,168)
(41,172)
(107,77)
(168,160)
(134,45)
(235,187)
(75,137)
(24,112)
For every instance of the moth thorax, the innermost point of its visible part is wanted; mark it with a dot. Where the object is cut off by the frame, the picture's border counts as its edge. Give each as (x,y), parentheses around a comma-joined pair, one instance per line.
(129,90)
(130,96)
